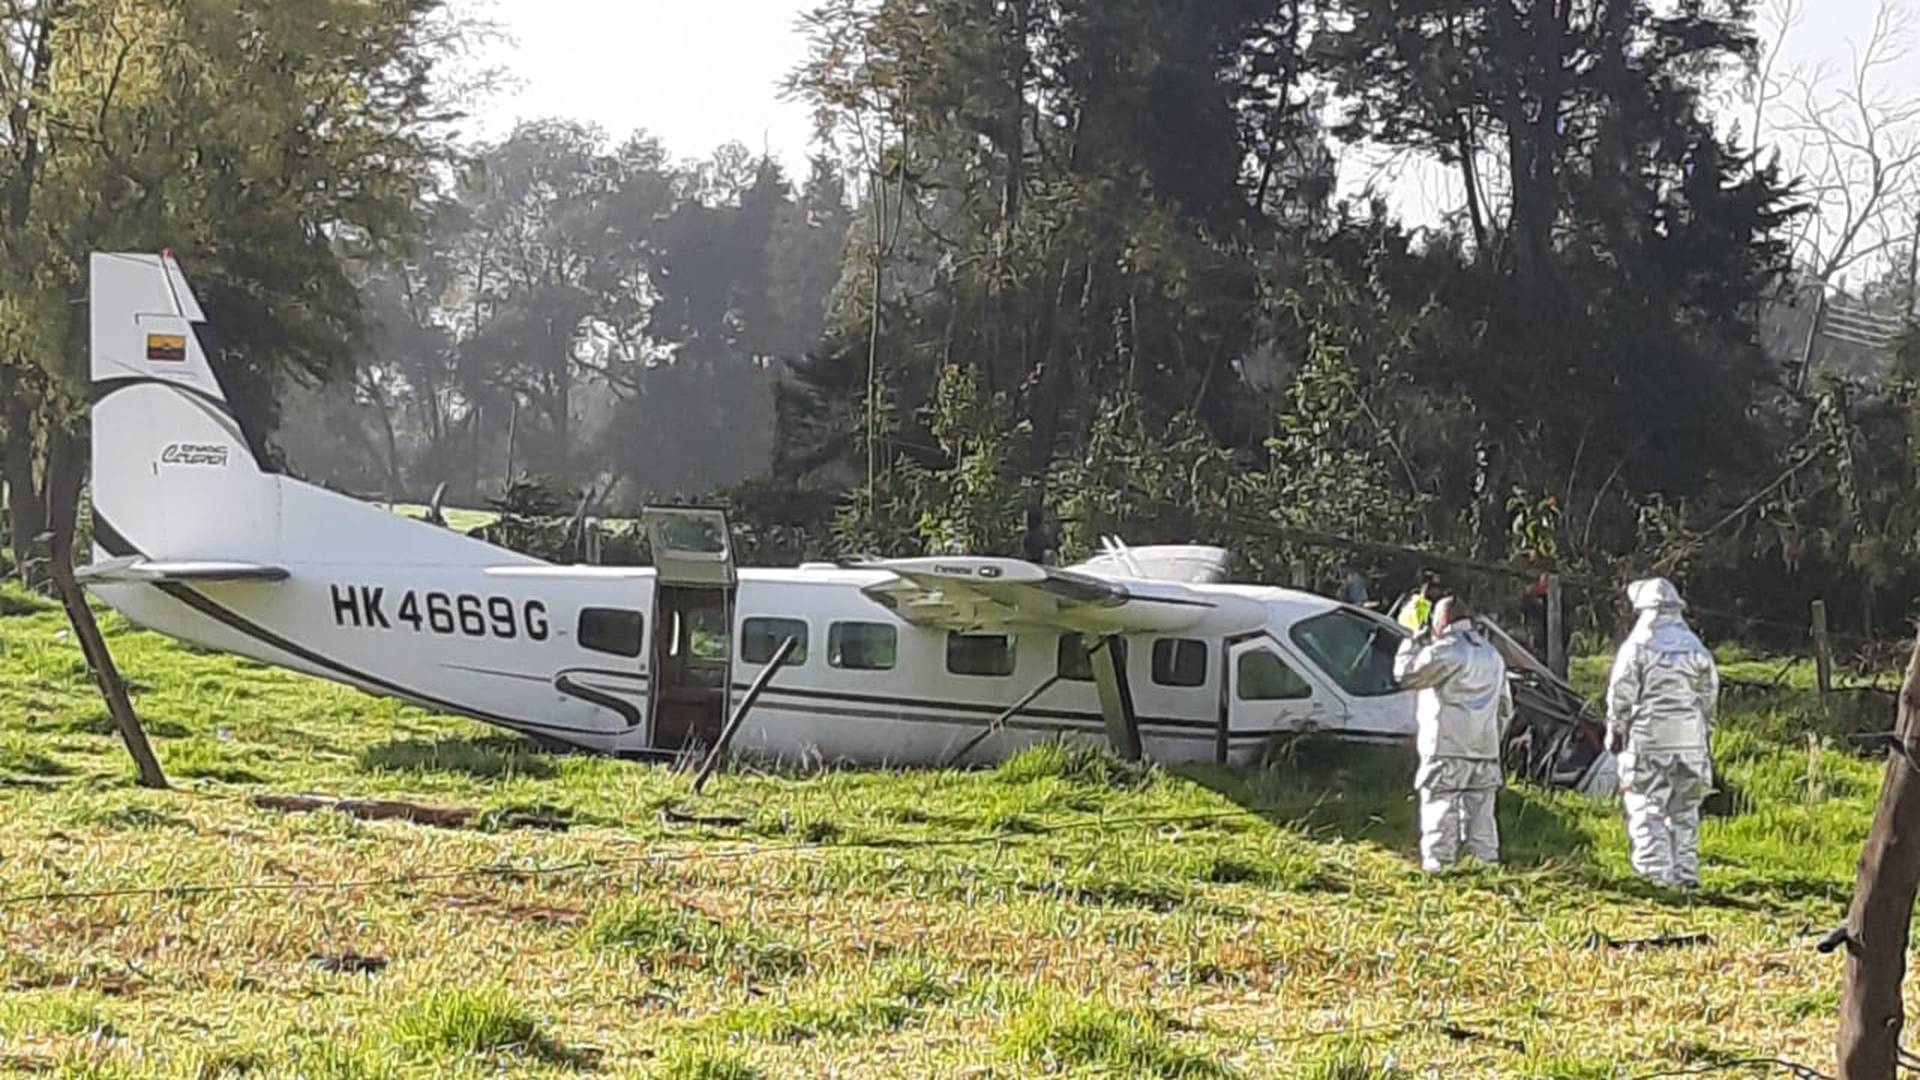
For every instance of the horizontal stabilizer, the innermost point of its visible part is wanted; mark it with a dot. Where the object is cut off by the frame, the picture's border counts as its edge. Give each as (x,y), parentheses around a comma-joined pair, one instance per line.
(134,570)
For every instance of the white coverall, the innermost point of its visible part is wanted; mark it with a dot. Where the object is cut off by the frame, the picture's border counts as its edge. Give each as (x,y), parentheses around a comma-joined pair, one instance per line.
(1463,711)
(1660,703)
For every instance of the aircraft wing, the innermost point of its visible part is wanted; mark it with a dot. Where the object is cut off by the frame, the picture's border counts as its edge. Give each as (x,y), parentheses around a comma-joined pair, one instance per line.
(971,594)
(134,570)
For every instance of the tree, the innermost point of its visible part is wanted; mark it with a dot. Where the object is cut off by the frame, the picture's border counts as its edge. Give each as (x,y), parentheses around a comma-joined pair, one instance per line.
(545,242)
(1623,247)
(262,143)
(1853,136)
(1053,190)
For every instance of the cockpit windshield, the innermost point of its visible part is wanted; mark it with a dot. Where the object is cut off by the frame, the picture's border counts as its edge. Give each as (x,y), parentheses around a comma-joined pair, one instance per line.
(1355,650)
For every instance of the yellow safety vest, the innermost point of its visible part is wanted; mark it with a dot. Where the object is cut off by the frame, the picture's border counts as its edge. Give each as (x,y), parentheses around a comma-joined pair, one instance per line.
(1416,612)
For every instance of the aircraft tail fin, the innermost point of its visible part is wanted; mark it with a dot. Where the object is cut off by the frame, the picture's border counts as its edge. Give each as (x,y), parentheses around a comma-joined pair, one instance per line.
(178,486)
(174,475)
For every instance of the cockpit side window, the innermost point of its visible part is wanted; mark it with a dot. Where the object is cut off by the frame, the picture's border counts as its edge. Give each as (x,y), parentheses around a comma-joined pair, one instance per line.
(1357,652)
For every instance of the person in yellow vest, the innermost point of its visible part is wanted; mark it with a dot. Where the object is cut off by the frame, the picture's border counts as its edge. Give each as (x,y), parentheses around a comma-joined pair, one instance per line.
(1416,611)
(1463,712)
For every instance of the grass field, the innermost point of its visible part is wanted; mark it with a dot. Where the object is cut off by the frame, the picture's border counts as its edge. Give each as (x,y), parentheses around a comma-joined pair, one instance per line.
(1059,915)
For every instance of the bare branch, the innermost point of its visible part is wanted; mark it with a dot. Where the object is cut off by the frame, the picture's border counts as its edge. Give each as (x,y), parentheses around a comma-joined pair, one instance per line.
(1853,136)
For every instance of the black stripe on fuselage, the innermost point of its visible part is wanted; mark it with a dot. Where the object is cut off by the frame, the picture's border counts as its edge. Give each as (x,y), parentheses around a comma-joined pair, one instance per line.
(1058,726)
(115,543)
(517,675)
(977,707)
(628,711)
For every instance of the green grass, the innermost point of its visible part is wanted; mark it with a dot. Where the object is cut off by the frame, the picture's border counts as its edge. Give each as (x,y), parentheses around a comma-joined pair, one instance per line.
(1099,919)
(458,519)
(482,1024)
(1055,1032)
(665,934)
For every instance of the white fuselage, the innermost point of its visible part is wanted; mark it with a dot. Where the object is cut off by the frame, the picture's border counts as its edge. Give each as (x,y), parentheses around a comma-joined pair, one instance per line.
(199,538)
(553,652)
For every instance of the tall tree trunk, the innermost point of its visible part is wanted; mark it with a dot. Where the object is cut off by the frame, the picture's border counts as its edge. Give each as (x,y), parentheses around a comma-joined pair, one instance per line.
(1470,179)
(26,518)
(64,478)
(1048,384)
(1871,1012)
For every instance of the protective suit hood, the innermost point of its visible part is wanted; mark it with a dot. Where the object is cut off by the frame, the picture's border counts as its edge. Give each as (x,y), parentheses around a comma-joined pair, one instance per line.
(1655,594)
(1659,625)
(1664,686)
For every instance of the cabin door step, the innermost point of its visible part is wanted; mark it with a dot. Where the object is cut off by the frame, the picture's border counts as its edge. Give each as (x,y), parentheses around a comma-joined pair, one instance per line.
(693,609)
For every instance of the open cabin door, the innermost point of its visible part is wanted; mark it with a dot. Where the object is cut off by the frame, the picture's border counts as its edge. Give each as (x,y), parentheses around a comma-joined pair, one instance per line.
(693,603)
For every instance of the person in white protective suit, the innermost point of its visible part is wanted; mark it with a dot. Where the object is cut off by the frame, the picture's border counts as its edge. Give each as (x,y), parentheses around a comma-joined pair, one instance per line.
(1660,703)
(1463,711)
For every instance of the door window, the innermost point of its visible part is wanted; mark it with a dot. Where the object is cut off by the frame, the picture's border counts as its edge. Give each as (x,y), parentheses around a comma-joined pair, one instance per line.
(707,634)
(1074,660)
(1261,675)
(689,545)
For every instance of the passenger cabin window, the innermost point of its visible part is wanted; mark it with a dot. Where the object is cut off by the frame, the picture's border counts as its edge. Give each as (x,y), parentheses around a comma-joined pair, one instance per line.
(761,638)
(858,646)
(980,654)
(611,630)
(1262,676)
(1179,662)
(1355,650)
(1074,660)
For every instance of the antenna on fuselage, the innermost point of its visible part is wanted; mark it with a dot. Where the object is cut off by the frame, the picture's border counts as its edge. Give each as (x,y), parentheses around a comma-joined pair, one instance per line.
(1116,550)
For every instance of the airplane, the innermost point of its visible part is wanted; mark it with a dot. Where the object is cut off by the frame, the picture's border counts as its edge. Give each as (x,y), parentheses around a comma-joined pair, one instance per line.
(902,662)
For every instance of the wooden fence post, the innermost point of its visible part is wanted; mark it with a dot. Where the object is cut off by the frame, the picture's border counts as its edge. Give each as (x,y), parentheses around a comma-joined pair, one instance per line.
(1822,649)
(1872,1013)
(1556,628)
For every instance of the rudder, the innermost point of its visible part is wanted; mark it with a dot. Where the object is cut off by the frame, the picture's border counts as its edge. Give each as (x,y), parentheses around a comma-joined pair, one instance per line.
(173,474)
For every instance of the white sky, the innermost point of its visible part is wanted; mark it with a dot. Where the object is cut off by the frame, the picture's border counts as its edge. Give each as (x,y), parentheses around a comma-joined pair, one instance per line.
(698,73)
(695,73)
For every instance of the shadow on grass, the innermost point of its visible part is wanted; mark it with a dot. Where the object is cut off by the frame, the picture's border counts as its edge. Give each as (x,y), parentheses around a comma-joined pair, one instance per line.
(24,760)
(1327,790)
(487,757)
(100,723)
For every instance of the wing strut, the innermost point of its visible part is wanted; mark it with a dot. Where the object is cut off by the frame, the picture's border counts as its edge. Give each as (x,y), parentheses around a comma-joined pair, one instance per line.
(719,750)
(1001,720)
(1116,697)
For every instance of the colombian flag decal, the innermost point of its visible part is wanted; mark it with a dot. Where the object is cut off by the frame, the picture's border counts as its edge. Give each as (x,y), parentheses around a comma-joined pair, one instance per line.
(167,348)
